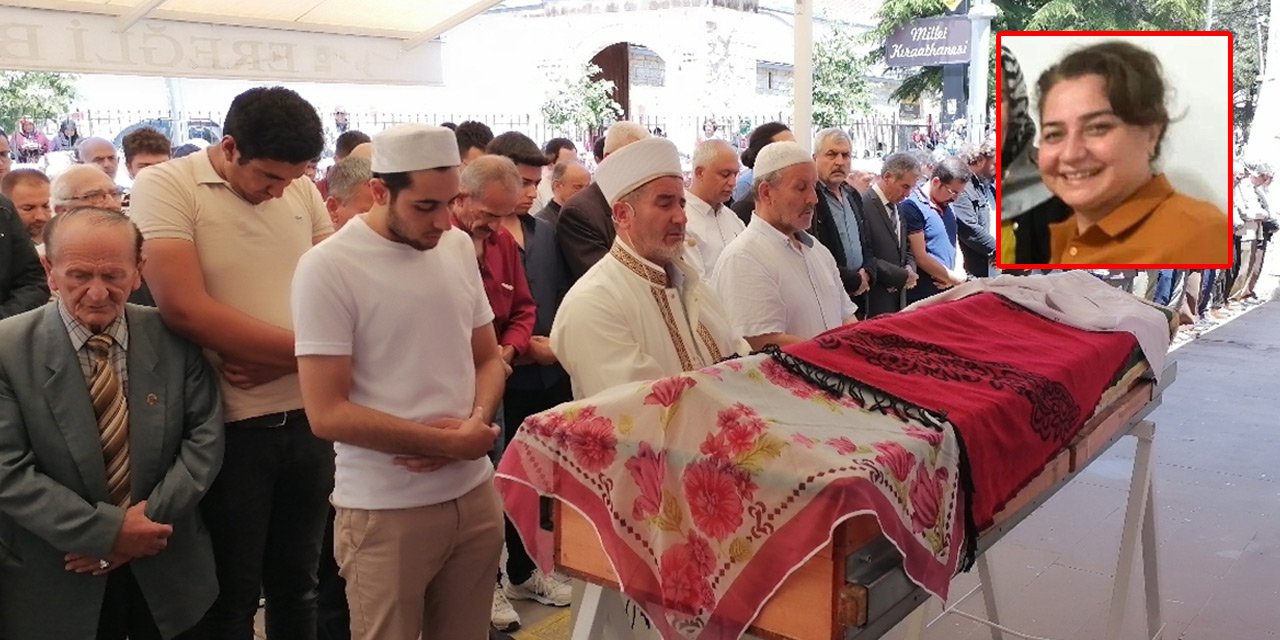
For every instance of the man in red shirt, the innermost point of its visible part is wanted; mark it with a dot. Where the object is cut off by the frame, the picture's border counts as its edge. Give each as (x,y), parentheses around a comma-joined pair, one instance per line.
(490,188)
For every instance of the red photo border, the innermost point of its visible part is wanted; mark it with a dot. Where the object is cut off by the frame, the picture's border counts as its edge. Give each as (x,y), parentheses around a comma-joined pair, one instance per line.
(1230,143)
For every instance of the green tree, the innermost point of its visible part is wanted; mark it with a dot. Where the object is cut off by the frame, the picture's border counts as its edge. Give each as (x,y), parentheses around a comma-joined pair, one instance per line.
(41,95)
(840,88)
(579,100)
(1033,15)
(1241,17)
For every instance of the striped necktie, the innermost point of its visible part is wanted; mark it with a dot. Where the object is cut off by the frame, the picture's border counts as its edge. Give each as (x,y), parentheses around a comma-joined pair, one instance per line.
(109,404)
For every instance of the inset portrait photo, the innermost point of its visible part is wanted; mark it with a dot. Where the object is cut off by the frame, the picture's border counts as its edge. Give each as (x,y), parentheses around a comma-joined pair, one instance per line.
(1115,149)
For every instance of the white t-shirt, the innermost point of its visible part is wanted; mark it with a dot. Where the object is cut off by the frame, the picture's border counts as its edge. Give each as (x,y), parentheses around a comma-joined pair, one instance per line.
(708,232)
(247,252)
(406,318)
(768,285)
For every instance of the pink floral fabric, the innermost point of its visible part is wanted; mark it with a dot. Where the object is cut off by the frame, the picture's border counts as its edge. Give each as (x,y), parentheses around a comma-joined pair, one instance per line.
(709,488)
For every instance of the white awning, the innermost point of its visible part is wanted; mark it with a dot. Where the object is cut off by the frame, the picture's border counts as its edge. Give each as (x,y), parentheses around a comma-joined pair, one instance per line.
(363,41)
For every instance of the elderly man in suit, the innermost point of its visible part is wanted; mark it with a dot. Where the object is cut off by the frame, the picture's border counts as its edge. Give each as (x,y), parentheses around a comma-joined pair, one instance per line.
(894,267)
(110,433)
(838,221)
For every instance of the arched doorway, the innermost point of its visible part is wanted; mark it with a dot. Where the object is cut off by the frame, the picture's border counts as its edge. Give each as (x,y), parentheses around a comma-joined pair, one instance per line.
(639,76)
(614,62)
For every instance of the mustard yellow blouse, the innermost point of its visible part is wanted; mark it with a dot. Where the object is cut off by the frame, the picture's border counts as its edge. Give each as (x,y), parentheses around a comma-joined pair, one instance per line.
(1156,225)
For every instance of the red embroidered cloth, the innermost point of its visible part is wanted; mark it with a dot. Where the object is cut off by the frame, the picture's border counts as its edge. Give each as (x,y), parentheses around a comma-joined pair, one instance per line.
(987,365)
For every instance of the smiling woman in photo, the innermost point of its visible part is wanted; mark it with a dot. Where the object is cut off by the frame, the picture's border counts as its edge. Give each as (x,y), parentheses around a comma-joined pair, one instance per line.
(1103,117)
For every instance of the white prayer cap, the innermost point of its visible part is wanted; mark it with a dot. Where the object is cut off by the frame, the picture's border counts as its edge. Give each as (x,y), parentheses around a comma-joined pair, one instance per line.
(636,164)
(780,155)
(414,147)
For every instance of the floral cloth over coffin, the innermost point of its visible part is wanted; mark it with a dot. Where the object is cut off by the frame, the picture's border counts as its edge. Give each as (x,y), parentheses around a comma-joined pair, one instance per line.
(709,488)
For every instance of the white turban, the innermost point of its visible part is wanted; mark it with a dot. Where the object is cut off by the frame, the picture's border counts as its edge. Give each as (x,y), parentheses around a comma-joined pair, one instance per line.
(635,165)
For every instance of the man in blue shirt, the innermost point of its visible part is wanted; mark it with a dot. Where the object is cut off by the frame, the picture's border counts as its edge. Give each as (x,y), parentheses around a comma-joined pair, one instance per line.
(930,225)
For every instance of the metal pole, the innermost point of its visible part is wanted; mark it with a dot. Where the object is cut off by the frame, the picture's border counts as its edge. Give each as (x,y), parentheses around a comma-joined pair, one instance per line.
(802,117)
(981,13)
(1208,17)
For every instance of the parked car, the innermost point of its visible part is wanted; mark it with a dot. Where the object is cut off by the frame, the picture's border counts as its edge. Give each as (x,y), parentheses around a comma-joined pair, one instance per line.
(178,131)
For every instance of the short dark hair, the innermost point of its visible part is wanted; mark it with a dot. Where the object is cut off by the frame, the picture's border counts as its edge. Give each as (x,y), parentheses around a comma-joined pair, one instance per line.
(274,123)
(396,182)
(521,149)
(597,149)
(554,146)
(96,215)
(759,138)
(1134,82)
(348,141)
(452,126)
(145,140)
(951,169)
(473,134)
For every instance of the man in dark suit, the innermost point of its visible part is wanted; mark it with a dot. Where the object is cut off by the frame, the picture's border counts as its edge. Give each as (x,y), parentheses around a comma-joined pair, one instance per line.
(973,212)
(22,281)
(112,432)
(838,222)
(585,229)
(893,268)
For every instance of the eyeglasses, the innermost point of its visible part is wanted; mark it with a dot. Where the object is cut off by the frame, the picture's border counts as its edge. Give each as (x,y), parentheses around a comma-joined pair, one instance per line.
(954,193)
(99,194)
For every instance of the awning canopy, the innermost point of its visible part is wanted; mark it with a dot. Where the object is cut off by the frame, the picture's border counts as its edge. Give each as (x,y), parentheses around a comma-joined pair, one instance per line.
(367,41)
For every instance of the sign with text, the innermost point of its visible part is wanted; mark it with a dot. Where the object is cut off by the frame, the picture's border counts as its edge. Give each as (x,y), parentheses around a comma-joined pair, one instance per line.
(68,42)
(929,41)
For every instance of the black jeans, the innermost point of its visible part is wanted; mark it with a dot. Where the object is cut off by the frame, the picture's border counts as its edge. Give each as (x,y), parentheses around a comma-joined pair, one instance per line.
(125,613)
(266,514)
(518,404)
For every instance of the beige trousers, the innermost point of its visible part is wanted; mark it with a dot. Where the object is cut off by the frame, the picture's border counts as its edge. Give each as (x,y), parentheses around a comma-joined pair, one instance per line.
(426,571)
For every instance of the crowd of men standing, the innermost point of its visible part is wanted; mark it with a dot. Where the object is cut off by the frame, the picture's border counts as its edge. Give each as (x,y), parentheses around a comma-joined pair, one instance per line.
(306,402)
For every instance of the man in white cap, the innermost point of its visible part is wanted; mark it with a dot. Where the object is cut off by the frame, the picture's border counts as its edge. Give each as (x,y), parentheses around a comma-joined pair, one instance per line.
(400,368)
(778,283)
(585,228)
(641,312)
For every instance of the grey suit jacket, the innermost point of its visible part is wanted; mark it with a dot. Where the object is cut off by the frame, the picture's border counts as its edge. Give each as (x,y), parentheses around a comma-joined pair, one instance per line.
(888,261)
(53,484)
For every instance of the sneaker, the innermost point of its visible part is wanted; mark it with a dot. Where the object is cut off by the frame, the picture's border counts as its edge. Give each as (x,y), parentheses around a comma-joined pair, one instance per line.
(503,616)
(550,590)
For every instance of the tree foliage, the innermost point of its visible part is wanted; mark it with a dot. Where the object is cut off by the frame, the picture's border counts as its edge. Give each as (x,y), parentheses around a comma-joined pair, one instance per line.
(579,100)
(1241,17)
(840,89)
(40,95)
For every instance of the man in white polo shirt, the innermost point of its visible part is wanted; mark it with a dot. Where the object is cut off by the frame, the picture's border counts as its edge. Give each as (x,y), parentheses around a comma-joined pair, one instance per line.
(777,282)
(400,367)
(223,233)
(641,312)
(712,225)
